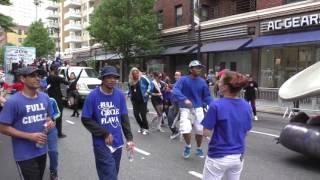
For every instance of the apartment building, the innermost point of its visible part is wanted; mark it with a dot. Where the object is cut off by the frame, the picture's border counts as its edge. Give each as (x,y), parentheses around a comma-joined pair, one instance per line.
(270,39)
(53,19)
(75,39)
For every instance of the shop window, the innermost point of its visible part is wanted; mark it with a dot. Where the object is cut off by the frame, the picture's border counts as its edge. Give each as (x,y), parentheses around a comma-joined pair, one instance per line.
(279,64)
(233,66)
(179,15)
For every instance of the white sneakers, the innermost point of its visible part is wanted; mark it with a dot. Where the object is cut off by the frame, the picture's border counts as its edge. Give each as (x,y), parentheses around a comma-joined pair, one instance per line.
(143,131)
(256,118)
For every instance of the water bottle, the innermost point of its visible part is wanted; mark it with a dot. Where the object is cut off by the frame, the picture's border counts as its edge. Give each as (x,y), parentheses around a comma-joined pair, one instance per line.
(45,131)
(130,152)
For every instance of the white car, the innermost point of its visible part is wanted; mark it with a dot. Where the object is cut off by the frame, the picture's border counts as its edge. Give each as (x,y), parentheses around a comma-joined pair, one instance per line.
(87,82)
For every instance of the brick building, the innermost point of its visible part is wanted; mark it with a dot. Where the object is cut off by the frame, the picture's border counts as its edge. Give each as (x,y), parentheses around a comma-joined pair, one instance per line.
(270,39)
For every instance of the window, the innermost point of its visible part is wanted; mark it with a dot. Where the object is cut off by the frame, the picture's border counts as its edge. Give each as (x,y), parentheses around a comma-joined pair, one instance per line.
(160,19)
(20,32)
(179,15)
(205,13)
(243,6)
(233,66)
(20,40)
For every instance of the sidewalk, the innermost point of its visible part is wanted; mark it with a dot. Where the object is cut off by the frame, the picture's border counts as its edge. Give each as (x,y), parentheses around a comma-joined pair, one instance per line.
(275,107)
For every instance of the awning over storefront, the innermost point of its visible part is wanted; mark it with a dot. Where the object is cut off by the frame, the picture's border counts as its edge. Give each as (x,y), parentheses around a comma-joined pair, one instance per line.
(179,50)
(107,57)
(292,38)
(230,45)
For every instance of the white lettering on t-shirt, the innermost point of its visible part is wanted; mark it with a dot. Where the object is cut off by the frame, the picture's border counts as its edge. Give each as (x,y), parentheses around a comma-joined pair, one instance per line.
(34,108)
(34,118)
(109,114)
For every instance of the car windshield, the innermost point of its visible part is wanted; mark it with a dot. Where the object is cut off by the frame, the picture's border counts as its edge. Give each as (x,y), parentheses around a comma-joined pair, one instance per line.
(86,73)
(91,73)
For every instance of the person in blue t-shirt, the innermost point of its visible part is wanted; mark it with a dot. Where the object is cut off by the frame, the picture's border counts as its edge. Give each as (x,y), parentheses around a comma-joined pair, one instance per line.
(105,115)
(230,119)
(192,93)
(26,117)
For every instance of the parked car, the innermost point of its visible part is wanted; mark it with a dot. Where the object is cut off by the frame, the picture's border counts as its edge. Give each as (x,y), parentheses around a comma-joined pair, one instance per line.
(87,82)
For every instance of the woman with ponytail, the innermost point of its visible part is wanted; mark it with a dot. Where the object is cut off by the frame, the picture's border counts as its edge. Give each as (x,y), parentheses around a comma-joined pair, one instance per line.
(230,119)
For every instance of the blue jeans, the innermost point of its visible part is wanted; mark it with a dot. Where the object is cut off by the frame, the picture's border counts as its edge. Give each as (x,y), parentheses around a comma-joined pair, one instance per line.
(107,163)
(53,150)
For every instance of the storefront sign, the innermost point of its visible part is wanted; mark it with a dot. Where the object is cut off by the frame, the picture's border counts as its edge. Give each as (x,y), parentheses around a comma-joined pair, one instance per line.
(294,22)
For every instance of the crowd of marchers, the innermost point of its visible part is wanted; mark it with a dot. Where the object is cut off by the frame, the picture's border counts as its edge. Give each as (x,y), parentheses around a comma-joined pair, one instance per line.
(185,104)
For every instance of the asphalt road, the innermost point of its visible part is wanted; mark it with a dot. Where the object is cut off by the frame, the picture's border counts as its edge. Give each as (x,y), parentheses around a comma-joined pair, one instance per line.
(161,159)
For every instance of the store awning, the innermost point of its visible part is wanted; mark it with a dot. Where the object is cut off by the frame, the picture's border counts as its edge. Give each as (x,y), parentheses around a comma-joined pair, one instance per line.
(230,45)
(283,39)
(107,57)
(179,50)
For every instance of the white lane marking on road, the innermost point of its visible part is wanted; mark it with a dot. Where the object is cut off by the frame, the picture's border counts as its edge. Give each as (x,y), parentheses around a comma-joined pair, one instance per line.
(150,112)
(141,151)
(70,122)
(196,174)
(267,134)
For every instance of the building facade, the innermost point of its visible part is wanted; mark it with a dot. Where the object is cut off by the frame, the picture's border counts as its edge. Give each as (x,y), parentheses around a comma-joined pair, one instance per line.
(53,23)
(76,43)
(17,36)
(265,38)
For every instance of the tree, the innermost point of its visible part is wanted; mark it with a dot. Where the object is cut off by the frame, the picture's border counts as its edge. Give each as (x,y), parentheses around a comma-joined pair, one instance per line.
(38,37)
(127,27)
(6,22)
(2,53)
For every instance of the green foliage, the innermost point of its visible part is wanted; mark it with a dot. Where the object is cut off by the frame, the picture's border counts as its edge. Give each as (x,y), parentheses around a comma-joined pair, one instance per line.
(38,37)
(6,22)
(5,2)
(127,27)
(2,53)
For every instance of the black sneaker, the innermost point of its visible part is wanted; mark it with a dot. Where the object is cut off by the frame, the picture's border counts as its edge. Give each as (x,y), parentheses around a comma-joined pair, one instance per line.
(175,135)
(62,136)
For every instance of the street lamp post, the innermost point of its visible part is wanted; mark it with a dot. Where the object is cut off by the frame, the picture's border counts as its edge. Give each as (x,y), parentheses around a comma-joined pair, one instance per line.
(37,3)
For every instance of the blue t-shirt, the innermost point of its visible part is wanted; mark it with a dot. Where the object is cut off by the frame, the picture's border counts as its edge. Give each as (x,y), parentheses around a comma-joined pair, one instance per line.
(230,119)
(194,89)
(106,110)
(27,115)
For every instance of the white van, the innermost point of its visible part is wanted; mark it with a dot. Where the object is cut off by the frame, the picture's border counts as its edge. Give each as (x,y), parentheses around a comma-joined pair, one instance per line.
(87,82)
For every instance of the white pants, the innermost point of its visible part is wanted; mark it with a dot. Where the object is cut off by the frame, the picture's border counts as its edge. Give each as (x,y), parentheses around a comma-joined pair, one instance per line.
(189,117)
(230,166)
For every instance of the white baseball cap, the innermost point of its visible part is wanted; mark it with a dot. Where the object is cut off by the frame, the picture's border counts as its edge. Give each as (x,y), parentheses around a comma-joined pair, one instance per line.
(195,63)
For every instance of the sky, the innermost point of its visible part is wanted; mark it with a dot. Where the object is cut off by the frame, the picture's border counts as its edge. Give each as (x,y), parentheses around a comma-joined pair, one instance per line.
(24,11)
